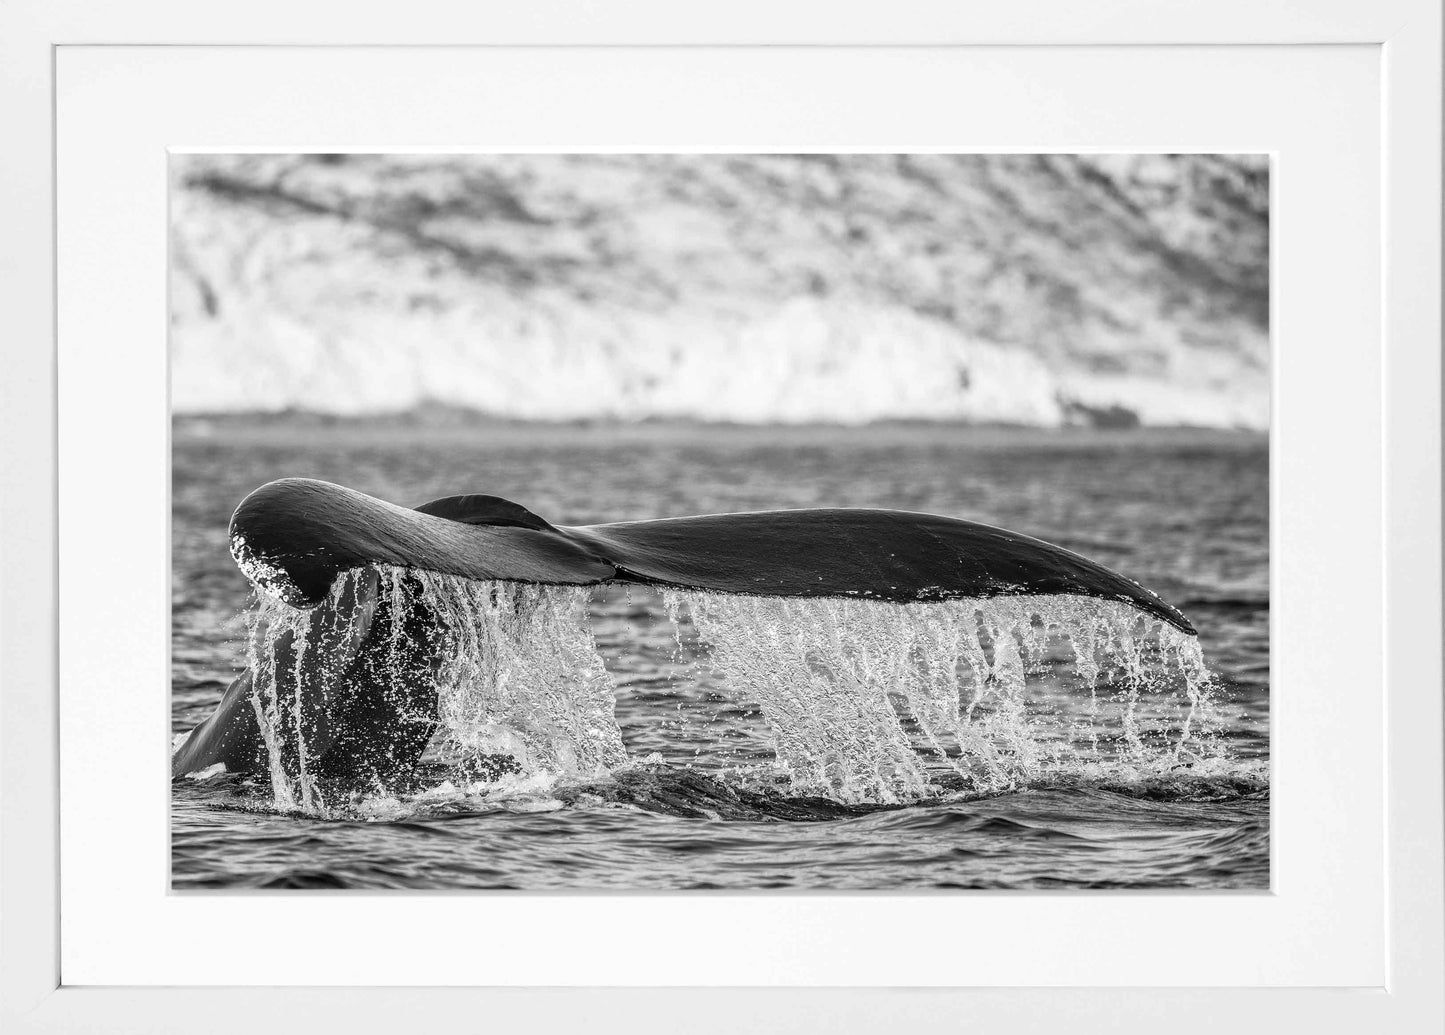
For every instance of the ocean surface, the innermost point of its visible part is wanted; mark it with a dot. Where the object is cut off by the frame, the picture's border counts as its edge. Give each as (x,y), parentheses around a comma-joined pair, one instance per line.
(1102,786)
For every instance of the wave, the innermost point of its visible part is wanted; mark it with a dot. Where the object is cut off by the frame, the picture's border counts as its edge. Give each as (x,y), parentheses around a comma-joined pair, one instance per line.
(682,792)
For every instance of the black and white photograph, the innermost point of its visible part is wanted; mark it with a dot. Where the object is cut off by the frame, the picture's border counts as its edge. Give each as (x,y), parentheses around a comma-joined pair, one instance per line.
(720,521)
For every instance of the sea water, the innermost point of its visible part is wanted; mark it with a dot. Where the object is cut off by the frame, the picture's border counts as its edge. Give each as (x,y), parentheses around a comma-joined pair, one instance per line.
(680,739)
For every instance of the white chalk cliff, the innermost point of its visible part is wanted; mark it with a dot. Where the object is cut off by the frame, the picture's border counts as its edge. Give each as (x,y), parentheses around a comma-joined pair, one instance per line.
(1038,290)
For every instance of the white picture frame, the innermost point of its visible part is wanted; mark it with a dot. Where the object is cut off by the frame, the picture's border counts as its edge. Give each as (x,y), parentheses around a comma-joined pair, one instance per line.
(1390,982)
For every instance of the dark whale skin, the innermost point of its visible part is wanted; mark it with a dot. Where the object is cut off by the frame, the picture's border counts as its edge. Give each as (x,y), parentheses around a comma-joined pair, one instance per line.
(367,728)
(294,536)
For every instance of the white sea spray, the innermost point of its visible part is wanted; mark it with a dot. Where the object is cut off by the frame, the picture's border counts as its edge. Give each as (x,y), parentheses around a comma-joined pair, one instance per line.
(516,674)
(521,676)
(863,700)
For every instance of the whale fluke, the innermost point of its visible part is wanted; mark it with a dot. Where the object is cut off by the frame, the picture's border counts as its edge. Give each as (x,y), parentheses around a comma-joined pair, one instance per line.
(343,692)
(293,537)
(476,509)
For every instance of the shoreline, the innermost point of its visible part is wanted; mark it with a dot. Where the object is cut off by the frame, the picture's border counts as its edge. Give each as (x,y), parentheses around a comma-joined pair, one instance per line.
(281,427)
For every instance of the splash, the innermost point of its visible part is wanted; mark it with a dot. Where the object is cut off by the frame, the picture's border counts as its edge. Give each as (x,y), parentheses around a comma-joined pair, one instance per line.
(279,640)
(521,676)
(872,701)
(863,701)
(513,668)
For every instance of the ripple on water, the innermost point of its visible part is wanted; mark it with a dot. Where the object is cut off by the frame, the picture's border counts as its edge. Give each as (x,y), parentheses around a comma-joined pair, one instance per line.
(1189,519)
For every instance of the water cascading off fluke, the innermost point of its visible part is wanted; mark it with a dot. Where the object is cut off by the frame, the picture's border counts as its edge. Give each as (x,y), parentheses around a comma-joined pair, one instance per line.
(889,654)
(862,700)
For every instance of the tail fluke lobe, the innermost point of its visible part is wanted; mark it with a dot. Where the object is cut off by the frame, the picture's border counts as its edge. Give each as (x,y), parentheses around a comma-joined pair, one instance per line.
(294,536)
(863,554)
(477,509)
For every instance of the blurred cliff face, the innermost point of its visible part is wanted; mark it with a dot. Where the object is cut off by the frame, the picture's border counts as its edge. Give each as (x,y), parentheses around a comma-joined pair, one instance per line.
(1036,289)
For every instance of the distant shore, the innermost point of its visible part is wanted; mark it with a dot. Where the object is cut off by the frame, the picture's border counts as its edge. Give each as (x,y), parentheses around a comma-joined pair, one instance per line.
(468,426)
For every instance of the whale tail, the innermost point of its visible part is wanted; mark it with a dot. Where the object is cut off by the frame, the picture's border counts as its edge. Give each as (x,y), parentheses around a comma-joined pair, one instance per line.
(351,653)
(295,536)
